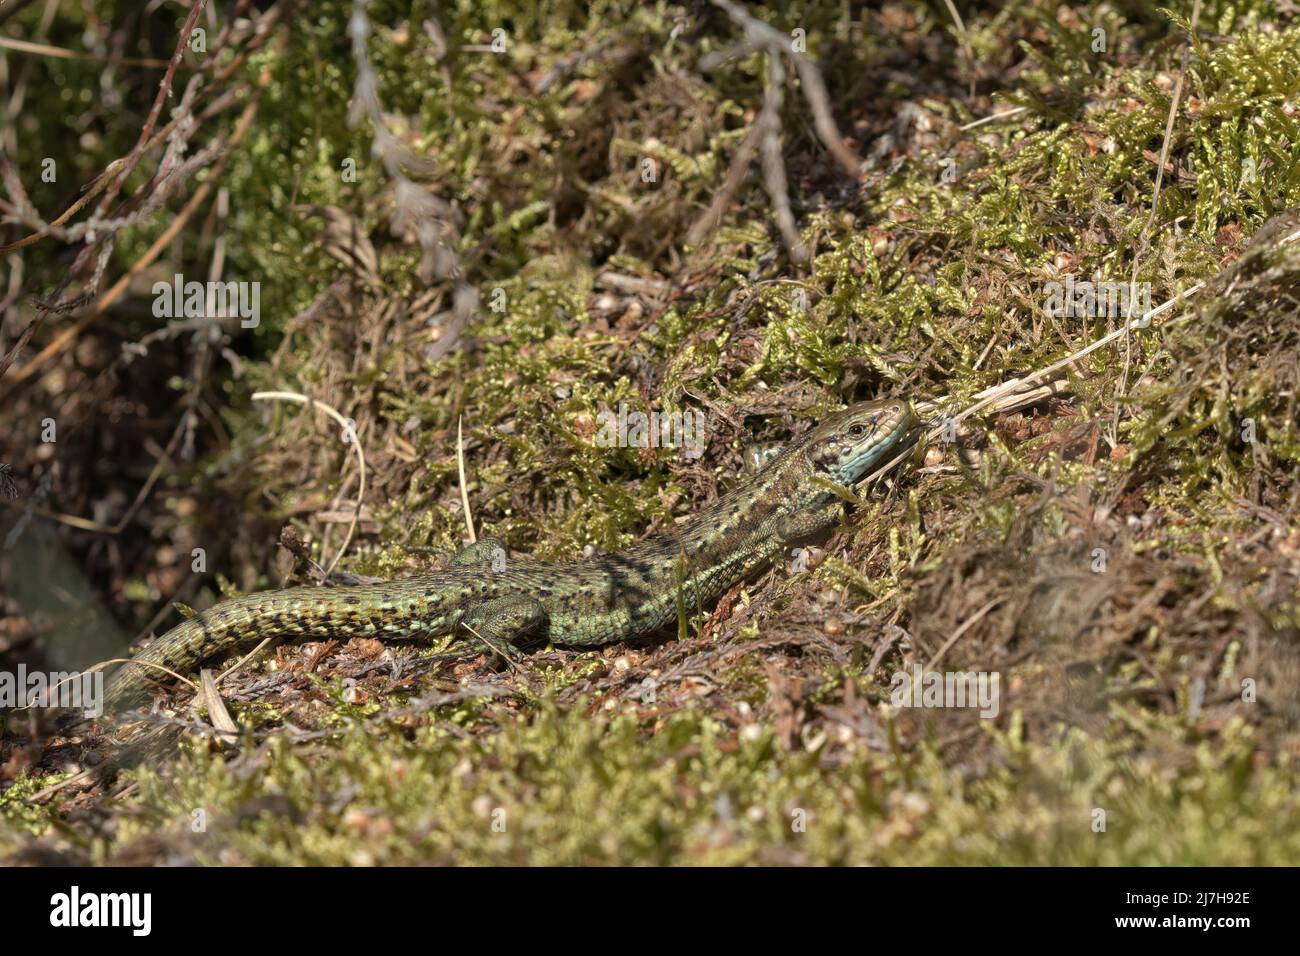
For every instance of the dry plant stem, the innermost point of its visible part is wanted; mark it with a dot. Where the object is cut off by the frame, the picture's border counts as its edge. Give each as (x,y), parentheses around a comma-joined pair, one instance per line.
(57,52)
(993,118)
(233,668)
(300,399)
(82,777)
(92,189)
(763,36)
(965,626)
(961,33)
(104,178)
(122,168)
(164,89)
(209,697)
(514,664)
(95,668)
(464,494)
(1144,239)
(415,207)
(740,163)
(765,137)
(66,337)
(1015,392)
(103,246)
(769,122)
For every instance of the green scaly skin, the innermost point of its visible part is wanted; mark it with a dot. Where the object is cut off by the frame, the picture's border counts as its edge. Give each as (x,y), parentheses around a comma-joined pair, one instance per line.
(598,601)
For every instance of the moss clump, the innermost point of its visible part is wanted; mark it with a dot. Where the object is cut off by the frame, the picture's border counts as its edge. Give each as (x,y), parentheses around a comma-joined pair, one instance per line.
(566,788)
(1150,691)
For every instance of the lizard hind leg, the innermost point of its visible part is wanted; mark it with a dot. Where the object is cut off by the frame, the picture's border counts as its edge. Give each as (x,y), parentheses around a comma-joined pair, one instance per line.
(489,551)
(501,621)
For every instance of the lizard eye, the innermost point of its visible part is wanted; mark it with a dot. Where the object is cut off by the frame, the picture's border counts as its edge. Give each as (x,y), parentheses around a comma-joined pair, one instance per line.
(855,430)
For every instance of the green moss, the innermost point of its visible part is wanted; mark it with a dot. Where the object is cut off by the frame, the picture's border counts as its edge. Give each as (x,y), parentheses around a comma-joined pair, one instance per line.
(565,788)
(923,283)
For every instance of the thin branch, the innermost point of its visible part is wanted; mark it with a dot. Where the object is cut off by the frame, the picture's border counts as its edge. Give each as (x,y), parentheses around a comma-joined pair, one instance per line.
(68,335)
(300,399)
(765,137)
(769,124)
(760,35)
(164,90)
(415,208)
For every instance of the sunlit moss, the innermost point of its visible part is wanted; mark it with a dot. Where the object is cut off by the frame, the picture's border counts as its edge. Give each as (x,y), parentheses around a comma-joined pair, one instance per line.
(928,279)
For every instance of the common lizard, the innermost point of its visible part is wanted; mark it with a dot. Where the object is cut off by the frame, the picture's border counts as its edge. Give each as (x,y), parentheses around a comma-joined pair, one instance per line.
(797,494)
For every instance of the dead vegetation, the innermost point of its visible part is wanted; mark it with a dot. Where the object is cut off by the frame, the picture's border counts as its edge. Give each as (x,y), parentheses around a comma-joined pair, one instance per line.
(1123,553)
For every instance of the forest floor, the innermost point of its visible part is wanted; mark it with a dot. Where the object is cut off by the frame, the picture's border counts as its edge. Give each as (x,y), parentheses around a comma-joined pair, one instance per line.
(1122,554)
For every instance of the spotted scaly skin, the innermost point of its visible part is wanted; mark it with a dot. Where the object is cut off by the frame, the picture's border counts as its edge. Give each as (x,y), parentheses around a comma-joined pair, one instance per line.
(592,602)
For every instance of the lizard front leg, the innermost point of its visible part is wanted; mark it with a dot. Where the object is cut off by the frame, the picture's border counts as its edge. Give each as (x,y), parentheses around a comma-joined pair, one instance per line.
(809,522)
(499,622)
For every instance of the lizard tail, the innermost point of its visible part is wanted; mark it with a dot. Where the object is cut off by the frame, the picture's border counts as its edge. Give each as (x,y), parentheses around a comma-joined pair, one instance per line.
(181,650)
(395,609)
(234,625)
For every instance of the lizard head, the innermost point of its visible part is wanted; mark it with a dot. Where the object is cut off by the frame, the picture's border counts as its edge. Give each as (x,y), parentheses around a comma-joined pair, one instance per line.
(850,444)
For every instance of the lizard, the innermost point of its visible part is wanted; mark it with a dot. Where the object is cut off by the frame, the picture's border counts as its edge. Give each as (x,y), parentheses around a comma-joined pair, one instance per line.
(796,493)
